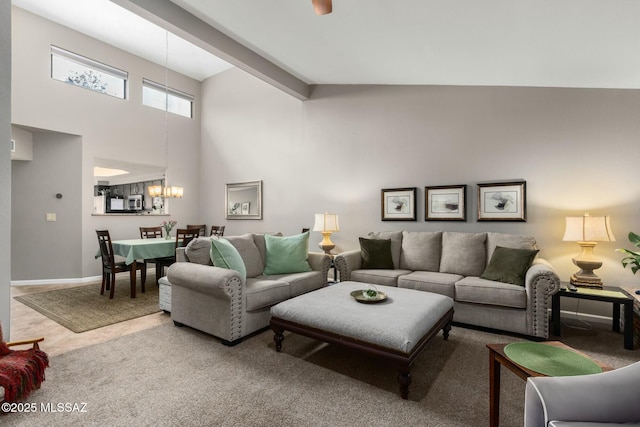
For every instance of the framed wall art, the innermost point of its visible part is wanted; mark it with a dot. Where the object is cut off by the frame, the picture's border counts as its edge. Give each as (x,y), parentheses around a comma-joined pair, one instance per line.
(399,204)
(445,203)
(244,200)
(502,201)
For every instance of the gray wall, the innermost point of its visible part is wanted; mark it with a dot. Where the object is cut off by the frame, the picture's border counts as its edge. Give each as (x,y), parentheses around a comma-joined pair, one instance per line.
(576,148)
(108,128)
(5,165)
(56,168)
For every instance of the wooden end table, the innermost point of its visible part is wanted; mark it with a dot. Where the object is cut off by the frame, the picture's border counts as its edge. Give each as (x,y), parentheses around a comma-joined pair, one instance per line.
(498,357)
(614,295)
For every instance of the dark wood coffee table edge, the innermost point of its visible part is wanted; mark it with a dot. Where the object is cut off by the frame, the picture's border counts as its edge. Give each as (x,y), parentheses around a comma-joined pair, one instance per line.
(403,362)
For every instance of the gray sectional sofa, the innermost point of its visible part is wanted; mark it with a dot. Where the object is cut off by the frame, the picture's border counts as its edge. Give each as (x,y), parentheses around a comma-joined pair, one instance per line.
(451,263)
(219,302)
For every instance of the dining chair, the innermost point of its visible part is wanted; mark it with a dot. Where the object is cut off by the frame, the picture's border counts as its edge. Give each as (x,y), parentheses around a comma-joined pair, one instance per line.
(183,237)
(110,267)
(151,233)
(217,230)
(202,228)
(21,371)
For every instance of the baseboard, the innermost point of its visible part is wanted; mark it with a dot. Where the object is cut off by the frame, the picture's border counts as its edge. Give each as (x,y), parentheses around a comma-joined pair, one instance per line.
(586,317)
(56,281)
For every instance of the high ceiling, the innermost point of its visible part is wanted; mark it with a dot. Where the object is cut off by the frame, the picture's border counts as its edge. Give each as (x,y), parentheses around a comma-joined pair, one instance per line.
(549,43)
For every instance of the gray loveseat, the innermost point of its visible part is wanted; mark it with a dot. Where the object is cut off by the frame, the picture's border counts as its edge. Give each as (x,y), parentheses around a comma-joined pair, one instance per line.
(219,302)
(451,263)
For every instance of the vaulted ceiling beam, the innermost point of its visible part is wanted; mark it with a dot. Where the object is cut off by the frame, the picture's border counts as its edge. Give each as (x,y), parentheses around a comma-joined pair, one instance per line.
(178,21)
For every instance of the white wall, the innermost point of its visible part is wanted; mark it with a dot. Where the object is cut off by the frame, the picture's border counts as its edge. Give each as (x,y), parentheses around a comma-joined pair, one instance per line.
(109,128)
(5,166)
(576,148)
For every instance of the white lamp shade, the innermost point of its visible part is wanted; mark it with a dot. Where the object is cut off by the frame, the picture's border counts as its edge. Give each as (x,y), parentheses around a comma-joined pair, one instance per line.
(326,222)
(588,228)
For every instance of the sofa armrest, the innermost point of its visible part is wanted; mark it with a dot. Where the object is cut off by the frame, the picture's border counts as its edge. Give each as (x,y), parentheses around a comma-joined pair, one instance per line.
(541,282)
(206,279)
(346,262)
(181,255)
(610,397)
(320,262)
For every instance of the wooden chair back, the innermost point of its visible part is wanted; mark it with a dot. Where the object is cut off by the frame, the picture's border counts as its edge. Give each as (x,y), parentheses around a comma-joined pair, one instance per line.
(217,230)
(202,228)
(185,235)
(150,232)
(106,248)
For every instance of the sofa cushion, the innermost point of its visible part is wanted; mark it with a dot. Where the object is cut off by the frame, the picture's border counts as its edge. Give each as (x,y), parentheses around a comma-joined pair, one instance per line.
(396,243)
(300,283)
(198,250)
(249,253)
(463,253)
(509,265)
(421,250)
(260,292)
(378,276)
(482,291)
(287,254)
(376,253)
(508,241)
(225,255)
(429,281)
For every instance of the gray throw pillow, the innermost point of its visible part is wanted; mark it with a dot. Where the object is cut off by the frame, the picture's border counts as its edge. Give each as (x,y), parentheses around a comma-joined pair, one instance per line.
(249,253)
(509,265)
(376,253)
(198,251)
(463,253)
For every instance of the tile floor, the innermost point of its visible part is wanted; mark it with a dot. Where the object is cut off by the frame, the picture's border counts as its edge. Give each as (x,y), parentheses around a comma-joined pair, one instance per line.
(27,323)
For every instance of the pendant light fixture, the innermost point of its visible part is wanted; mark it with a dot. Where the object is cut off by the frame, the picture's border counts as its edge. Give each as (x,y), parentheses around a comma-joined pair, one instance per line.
(167,191)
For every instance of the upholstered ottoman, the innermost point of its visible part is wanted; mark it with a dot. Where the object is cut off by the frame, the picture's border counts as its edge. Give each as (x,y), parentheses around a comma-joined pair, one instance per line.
(396,330)
(164,290)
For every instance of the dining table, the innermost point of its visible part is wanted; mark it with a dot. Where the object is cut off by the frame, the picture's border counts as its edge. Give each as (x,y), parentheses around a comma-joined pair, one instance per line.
(140,249)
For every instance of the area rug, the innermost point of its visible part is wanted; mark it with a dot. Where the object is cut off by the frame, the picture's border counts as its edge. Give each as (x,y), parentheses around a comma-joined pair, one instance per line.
(171,376)
(82,308)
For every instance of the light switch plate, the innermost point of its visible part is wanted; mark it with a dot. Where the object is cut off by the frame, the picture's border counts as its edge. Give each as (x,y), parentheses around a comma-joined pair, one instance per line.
(51,217)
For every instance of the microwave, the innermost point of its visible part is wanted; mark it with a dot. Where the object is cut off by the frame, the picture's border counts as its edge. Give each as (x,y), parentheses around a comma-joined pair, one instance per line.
(115,204)
(135,202)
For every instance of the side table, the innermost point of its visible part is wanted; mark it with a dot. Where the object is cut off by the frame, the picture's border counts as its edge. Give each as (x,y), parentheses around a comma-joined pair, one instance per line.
(497,358)
(608,294)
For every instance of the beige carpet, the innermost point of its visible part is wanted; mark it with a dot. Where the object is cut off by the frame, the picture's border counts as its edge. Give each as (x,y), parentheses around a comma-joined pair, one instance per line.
(170,376)
(82,308)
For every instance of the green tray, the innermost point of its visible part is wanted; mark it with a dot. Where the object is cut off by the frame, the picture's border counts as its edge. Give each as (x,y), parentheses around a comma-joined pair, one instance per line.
(550,360)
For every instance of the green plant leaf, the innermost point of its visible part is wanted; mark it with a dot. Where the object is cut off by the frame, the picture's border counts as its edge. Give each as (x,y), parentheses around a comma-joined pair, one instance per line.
(634,238)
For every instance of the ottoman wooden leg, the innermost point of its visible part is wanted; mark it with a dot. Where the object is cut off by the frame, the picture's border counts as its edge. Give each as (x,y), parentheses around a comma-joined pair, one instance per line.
(278,337)
(404,378)
(446,329)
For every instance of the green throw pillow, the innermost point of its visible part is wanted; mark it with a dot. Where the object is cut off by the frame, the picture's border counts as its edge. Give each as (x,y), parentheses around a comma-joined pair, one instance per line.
(225,255)
(286,254)
(509,265)
(376,253)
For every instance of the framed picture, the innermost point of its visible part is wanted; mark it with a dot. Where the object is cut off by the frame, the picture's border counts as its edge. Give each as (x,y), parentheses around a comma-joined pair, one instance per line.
(245,208)
(445,203)
(399,204)
(502,201)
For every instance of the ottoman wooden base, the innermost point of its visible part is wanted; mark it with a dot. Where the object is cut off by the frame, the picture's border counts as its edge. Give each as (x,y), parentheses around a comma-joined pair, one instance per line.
(402,361)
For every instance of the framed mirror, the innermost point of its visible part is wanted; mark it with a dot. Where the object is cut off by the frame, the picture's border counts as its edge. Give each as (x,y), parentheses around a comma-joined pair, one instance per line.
(243,200)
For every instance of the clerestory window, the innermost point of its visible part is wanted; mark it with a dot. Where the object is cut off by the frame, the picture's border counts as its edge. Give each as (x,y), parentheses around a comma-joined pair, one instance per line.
(164,98)
(80,71)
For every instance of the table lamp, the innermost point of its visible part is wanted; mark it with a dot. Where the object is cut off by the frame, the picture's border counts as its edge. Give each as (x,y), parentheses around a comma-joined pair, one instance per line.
(326,224)
(587,230)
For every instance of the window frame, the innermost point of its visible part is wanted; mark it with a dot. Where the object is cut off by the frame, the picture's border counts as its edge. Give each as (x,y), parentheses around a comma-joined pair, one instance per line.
(168,93)
(93,65)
